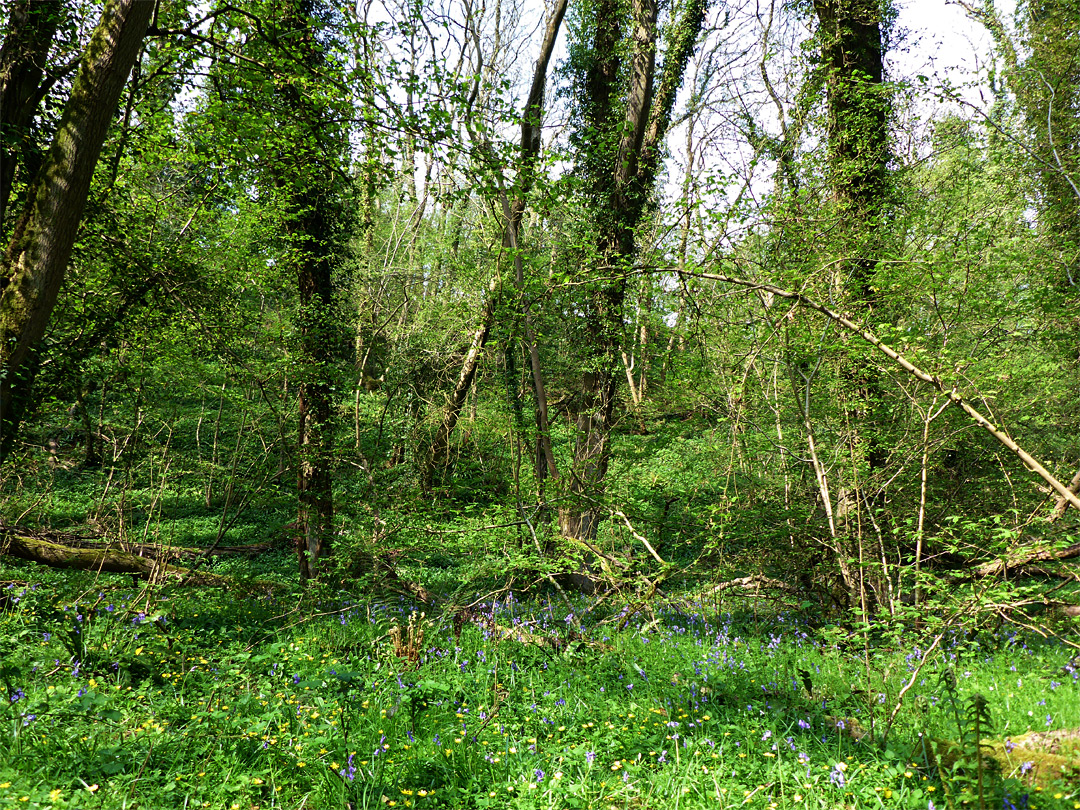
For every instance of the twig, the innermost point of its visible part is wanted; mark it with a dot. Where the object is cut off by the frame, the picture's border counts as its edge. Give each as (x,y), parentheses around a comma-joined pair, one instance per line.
(911,682)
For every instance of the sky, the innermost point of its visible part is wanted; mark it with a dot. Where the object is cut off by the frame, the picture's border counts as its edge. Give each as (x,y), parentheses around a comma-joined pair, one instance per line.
(943,37)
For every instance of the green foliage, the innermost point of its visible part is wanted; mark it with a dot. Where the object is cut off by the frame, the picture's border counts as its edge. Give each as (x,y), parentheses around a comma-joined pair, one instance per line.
(224,699)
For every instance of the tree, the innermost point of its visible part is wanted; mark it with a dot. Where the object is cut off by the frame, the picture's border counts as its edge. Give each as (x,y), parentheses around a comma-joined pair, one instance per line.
(31,31)
(622,119)
(511,207)
(36,258)
(305,171)
(1047,85)
(851,35)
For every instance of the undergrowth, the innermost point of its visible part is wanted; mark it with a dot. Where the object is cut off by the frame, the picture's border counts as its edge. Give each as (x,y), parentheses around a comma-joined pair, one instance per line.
(121,697)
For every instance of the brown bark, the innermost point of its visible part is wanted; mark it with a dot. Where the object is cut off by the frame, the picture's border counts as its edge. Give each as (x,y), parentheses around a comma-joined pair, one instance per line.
(756,582)
(531,121)
(850,33)
(1023,558)
(150,551)
(622,181)
(315,423)
(306,173)
(36,259)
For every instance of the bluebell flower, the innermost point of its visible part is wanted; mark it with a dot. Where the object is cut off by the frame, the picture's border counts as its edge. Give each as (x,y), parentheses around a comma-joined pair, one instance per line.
(349,772)
(837,775)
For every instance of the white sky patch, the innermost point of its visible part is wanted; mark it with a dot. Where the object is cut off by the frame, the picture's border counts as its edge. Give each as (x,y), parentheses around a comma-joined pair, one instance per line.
(942,40)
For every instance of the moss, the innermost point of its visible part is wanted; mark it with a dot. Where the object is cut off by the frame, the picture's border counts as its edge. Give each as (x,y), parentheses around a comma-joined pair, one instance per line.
(1038,759)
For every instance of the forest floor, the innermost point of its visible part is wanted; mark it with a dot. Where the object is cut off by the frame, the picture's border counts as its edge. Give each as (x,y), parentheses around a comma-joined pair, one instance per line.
(122,695)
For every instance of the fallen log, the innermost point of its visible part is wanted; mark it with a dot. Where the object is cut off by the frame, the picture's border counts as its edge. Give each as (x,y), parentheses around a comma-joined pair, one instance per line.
(158,551)
(755,582)
(25,547)
(1025,558)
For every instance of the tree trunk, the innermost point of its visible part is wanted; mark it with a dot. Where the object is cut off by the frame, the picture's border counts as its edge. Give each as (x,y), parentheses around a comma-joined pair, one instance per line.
(440,443)
(307,175)
(36,258)
(25,547)
(621,180)
(315,434)
(31,30)
(851,45)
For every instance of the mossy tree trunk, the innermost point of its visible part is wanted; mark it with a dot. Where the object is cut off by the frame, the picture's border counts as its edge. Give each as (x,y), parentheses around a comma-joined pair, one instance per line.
(852,49)
(625,121)
(306,173)
(37,256)
(107,560)
(31,30)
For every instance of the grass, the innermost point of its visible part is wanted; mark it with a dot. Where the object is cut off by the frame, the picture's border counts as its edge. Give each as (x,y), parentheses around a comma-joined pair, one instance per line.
(118,697)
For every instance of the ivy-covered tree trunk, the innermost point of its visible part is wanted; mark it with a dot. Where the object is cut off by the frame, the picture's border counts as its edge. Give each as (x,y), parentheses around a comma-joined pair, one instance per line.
(619,147)
(305,173)
(858,112)
(1048,87)
(315,433)
(37,256)
(851,33)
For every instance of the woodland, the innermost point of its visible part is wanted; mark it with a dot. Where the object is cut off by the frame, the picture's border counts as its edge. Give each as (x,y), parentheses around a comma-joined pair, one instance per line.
(550,328)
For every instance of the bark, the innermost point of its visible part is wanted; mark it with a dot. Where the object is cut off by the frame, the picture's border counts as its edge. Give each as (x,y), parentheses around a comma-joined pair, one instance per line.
(440,443)
(31,30)
(36,259)
(756,582)
(851,49)
(1023,558)
(153,551)
(315,433)
(308,176)
(850,32)
(1062,503)
(544,459)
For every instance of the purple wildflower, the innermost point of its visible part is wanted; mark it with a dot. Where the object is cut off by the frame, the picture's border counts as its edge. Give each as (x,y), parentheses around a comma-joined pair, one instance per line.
(837,776)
